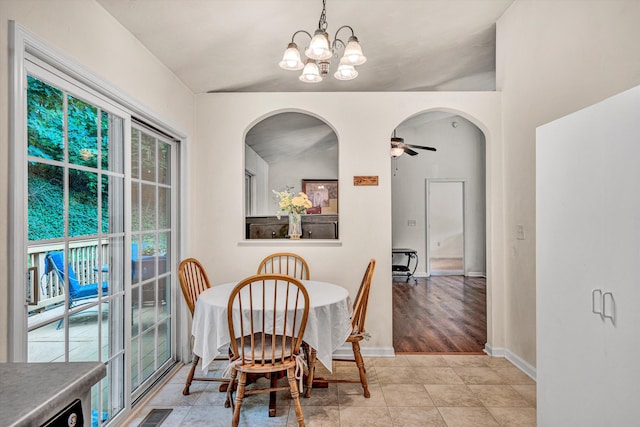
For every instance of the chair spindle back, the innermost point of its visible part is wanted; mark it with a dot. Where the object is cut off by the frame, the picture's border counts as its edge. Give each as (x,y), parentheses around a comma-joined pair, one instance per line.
(286,263)
(193,281)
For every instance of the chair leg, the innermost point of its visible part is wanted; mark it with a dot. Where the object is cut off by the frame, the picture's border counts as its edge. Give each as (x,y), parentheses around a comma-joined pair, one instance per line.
(360,364)
(242,382)
(196,358)
(295,395)
(228,403)
(312,368)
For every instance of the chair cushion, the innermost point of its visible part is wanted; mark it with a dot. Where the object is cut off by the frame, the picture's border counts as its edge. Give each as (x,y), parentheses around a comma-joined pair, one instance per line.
(267,347)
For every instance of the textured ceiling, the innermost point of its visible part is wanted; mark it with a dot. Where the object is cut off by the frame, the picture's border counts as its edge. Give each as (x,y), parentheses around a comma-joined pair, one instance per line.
(235,45)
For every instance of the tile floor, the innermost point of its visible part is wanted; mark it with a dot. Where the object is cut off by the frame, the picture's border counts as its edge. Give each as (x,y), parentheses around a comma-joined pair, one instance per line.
(408,390)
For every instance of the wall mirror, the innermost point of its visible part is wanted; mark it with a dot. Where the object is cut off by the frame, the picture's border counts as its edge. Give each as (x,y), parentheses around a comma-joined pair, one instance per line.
(283,151)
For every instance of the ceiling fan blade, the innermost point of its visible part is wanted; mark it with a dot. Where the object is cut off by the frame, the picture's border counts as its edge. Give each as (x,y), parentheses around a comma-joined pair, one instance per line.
(409,151)
(421,147)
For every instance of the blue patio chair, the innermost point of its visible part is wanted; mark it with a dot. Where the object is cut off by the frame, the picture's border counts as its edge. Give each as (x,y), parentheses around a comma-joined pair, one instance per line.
(54,262)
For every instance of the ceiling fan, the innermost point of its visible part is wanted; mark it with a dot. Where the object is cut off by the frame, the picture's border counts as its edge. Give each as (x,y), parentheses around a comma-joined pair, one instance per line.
(398,147)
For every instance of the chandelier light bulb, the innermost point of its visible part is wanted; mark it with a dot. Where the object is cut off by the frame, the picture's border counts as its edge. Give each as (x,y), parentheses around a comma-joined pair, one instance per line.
(353,52)
(311,72)
(291,58)
(319,48)
(345,71)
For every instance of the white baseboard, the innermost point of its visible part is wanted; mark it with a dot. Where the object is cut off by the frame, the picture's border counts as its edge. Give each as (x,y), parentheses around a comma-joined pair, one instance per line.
(469,274)
(517,361)
(346,352)
(476,274)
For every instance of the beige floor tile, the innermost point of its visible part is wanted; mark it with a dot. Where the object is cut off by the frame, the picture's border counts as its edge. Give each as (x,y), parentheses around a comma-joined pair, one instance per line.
(365,417)
(514,376)
(468,417)
(514,417)
(426,360)
(212,396)
(452,395)
(406,395)
(498,362)
(467,361)
(396,375)
(413,417)
(316,416)
(351,372)
(171,395)
(528,392)
(322,397)
(438,375)
(352,395)
(399,360)
(479,376)
(203,415)
(499,396)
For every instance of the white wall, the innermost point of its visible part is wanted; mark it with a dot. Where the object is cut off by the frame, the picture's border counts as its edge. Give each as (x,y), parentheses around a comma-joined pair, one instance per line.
(260,170)
(460,155)
(291,172)
(363,123)
(86,33)
(553,58)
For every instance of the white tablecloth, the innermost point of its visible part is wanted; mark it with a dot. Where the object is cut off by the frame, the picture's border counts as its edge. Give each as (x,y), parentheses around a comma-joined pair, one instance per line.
(328,324)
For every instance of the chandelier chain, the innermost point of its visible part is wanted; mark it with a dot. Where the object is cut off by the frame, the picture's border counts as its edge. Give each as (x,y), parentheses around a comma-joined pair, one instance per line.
(322,24)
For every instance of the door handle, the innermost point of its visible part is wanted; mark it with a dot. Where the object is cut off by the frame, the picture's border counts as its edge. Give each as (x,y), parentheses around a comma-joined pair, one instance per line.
(611,313)
(597,302)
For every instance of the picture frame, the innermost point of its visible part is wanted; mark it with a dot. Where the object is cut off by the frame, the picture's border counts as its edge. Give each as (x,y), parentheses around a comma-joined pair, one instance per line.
(323,194)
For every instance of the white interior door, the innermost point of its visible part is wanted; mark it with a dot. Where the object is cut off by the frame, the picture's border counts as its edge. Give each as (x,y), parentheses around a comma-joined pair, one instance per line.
(445,227)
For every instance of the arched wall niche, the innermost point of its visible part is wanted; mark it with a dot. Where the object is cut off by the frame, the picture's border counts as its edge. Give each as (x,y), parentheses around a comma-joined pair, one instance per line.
(287,149)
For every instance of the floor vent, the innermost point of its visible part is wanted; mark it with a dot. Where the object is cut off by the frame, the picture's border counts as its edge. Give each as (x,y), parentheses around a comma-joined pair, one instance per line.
(155,417)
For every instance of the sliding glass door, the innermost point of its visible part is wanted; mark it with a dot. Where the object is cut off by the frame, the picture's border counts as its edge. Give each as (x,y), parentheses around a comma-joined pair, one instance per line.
(99,238)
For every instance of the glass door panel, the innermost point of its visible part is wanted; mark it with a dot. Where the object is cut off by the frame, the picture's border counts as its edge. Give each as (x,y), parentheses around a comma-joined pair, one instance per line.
(75,214)
(151,204)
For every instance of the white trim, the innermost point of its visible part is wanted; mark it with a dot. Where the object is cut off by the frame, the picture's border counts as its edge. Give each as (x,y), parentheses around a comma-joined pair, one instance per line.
(476,274)
(287,242)
(517,361)
(346,352)
(17,344)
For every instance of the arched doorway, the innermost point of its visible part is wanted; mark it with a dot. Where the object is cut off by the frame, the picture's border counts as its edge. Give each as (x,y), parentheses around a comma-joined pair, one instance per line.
(442,307)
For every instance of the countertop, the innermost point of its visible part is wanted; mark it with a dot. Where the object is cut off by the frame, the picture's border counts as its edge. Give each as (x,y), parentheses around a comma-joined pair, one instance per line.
(31,393)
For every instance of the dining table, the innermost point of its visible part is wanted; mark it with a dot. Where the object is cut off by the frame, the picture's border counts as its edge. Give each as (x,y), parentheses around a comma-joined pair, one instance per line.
(328,325)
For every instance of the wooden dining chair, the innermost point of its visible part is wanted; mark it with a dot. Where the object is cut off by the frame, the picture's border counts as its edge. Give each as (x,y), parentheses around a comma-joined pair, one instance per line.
(193,281)
(267,315)
(286,263)
(358,333)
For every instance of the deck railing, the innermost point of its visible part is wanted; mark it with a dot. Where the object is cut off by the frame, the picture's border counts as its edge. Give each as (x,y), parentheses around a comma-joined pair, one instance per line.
(83,257)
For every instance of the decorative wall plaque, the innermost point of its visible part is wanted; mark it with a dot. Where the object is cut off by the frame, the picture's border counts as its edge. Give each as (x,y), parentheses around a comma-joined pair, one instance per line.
(365,180)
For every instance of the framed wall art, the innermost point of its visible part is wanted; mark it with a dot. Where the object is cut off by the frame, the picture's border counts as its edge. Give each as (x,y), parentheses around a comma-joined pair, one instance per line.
(323,194)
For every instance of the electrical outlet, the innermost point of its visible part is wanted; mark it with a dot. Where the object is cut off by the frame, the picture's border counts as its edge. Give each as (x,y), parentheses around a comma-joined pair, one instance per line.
(411,223)
(520,232)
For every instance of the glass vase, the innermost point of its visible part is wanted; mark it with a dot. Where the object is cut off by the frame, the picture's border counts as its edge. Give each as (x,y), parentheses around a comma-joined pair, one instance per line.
(295,226)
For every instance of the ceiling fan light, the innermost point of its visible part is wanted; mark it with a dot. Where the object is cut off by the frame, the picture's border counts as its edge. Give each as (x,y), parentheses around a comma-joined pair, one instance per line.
(396,151)
(395,140)
(291,58)
(311,72)
(353,52)
(319,47)
(345,71)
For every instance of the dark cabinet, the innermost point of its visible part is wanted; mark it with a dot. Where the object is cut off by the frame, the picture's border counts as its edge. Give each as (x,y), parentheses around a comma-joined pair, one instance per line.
(313,227)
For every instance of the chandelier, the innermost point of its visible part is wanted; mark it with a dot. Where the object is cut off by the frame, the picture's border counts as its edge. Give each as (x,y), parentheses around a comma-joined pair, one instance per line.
(320,51)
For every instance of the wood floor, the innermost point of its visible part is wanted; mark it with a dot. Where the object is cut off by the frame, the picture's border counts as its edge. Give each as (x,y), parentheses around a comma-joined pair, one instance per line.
(439,314)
